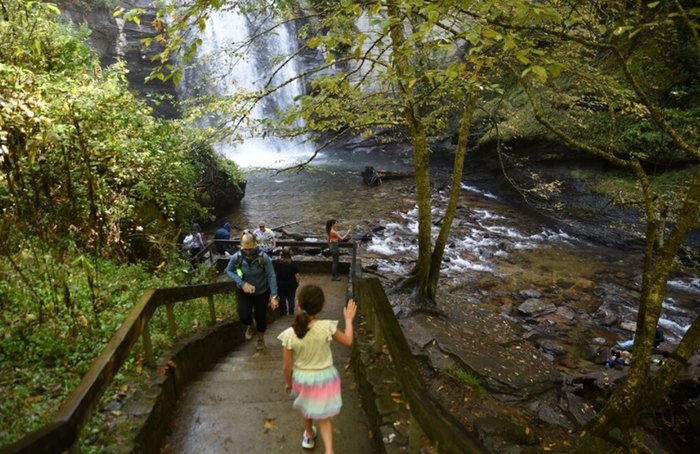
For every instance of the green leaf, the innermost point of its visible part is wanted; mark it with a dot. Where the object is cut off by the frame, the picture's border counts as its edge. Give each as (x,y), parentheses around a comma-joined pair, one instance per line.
(540,71)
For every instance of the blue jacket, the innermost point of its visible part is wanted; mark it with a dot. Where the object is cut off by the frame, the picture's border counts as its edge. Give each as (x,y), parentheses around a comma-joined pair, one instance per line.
(223,233)
(262,278)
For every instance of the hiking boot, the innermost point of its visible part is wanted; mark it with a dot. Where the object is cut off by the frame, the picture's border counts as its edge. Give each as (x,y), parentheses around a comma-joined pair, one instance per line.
(261,344)
(249,332)
(309,442)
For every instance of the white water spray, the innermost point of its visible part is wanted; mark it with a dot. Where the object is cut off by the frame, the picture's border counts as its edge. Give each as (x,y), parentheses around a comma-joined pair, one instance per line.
(230,66)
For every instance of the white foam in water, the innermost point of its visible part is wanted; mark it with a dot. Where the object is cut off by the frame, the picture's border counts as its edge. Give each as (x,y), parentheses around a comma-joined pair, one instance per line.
(382,249)
(460,264)
(391,266)
(265,153)
(485,214)
(693,286)
(388,246)
(669,304)
(228,73)
(508,232)
(673,326)
(479,191)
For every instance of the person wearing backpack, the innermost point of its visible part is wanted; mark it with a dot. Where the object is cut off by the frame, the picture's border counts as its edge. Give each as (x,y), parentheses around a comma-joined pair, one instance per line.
(252,271)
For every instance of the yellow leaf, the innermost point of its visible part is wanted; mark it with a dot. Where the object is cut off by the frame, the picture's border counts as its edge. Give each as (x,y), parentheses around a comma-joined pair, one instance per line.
(269,424)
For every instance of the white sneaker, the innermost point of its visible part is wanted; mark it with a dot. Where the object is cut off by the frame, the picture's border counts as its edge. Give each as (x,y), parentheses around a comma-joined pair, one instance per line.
(249,332)
(309,442)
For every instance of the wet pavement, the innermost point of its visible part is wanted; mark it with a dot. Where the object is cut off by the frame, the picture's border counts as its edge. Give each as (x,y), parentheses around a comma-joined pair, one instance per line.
(240,405)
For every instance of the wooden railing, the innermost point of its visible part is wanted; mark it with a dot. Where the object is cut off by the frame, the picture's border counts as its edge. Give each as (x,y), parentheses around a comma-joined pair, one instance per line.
(436,423)
(62,434)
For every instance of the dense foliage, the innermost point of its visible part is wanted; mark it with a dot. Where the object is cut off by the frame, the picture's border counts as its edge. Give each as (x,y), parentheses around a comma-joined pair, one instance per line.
(94,192)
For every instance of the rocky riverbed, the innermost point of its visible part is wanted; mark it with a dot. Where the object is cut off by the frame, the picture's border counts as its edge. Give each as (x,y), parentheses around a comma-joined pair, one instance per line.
(530,310)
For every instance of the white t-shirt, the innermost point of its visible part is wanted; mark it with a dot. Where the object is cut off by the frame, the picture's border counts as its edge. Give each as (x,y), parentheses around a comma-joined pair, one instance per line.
(314,350)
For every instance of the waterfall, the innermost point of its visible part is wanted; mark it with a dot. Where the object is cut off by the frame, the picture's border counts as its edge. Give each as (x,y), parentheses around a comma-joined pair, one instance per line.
(228,69)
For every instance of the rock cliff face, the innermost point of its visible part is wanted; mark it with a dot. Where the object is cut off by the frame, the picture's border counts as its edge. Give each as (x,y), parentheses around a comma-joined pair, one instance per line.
(116,38)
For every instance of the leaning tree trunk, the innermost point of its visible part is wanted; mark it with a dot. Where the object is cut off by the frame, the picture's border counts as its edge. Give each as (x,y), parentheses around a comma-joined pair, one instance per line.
(455,191)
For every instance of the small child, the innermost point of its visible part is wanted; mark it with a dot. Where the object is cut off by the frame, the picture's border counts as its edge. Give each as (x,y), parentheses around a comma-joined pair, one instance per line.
(288,278)
(313,379)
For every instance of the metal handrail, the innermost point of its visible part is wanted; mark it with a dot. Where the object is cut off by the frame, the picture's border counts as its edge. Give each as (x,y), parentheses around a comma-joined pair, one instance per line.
(61,434)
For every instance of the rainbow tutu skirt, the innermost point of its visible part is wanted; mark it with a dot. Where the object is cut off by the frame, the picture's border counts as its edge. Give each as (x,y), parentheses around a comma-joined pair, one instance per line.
(317,392)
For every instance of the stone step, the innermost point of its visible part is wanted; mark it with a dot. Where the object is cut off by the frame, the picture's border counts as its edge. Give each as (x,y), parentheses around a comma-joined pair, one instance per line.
(244,390)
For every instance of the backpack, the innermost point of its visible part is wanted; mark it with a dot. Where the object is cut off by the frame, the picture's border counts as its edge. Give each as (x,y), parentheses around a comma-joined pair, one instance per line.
(239,260)
(188,242)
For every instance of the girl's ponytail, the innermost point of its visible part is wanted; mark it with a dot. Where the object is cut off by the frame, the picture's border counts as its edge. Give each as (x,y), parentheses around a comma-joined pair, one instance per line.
(301,324)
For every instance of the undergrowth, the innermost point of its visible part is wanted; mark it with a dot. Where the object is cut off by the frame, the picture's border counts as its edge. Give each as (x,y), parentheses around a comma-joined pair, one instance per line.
(50,337)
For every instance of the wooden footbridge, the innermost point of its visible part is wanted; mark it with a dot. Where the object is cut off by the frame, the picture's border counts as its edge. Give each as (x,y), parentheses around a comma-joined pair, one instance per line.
(220,395)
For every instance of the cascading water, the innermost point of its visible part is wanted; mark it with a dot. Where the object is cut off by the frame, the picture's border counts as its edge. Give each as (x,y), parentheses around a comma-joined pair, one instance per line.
(227,65)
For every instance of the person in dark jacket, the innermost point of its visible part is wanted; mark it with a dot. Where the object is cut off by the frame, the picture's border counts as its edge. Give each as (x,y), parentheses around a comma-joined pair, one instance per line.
(223,233)
(288,278)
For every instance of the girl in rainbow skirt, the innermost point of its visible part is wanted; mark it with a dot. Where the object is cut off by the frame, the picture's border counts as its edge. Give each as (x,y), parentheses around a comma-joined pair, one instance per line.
(308,364)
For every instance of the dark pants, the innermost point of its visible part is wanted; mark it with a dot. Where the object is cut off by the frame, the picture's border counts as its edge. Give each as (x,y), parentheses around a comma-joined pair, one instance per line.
(335,253)
(286,295)
(249,305)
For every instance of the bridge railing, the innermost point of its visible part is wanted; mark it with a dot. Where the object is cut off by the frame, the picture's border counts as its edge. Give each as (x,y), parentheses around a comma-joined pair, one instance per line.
(62,434)
(445,431)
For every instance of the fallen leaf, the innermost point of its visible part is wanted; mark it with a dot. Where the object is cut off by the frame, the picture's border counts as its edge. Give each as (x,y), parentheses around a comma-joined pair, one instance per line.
(269,424)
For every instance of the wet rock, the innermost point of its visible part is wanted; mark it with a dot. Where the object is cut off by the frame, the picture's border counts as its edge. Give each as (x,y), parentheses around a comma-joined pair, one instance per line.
(507,430)
(598,341)
(577,409)
(530,293)
(610,320)
(629,326)
(551,346)
(507,308)
(551,416)
(566,313)
(534,307)
(113,405)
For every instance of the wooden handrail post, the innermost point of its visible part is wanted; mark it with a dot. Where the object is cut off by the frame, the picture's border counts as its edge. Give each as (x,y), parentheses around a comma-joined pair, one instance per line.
(148,346)
(212,309)
(172,328)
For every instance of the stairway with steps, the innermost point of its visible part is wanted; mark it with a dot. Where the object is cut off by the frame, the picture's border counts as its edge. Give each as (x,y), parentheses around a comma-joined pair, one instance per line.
(240,406)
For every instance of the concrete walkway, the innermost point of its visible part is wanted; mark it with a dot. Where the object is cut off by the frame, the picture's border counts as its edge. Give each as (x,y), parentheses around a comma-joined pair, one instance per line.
(240,406)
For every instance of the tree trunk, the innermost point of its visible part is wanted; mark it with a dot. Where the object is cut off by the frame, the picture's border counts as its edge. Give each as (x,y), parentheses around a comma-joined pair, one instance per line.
(455,191)
(421,163)
(641,388)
